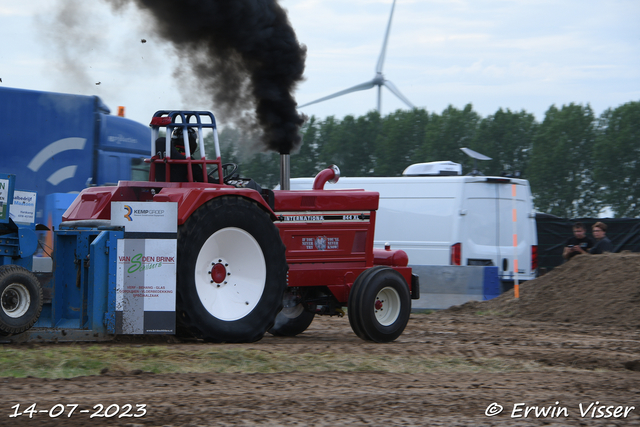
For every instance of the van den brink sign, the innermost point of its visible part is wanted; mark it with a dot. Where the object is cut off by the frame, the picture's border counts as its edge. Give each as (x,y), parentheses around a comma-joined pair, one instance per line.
(146,271)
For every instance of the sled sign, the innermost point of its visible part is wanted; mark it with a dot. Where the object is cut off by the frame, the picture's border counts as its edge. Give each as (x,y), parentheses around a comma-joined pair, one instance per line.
(146,271)
(146,286)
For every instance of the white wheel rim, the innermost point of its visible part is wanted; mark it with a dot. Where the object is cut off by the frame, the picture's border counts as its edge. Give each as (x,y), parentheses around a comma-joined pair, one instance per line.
(387,306)
(245,274)
(15,300)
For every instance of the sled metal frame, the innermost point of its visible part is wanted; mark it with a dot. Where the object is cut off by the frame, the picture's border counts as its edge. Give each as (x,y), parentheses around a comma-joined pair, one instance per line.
(79,304)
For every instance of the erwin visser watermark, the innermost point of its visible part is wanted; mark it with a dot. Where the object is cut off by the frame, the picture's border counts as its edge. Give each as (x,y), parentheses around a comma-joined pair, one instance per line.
(583,410)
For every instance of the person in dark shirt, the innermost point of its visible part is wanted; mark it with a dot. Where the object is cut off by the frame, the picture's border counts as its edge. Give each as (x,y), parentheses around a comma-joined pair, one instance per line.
(579,243)
(603,244)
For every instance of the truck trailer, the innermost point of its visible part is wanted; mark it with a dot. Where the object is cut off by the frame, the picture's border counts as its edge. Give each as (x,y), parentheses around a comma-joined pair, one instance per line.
(58,144)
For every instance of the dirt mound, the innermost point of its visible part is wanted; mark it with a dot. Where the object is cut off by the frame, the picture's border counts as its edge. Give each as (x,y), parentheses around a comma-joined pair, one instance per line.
(590,289)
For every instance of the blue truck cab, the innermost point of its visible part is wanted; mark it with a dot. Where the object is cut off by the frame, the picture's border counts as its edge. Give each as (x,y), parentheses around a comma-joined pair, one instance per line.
(58,144)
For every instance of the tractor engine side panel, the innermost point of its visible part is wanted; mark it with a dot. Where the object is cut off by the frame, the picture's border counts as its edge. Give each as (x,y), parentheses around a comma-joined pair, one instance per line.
(328,236)
(95,202)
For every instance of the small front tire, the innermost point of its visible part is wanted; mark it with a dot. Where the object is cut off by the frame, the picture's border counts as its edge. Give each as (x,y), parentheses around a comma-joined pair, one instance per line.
(381,305)
(354,299)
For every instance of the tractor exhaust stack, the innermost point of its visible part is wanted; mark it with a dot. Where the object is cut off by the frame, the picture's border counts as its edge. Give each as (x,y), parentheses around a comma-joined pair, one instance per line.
(285,172)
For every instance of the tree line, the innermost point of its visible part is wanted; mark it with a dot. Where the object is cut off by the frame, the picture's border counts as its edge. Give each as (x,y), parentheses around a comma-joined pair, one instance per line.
(577,164)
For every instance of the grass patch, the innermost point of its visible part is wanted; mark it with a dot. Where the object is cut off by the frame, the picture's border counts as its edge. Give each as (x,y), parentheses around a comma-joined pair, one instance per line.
(71,361)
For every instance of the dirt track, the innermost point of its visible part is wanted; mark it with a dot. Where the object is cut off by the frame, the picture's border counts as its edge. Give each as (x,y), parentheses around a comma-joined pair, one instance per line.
(566,363)
(571,339)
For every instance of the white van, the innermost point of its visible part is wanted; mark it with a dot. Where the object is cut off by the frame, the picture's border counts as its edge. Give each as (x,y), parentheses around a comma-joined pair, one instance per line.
(440,217)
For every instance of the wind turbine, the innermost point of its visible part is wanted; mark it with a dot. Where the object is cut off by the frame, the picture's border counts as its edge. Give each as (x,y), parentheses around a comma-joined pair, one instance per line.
(378,79)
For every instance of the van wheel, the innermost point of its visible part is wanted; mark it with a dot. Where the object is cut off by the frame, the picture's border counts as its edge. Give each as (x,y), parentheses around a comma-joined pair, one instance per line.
(21,299)
(381,305)
(232,272)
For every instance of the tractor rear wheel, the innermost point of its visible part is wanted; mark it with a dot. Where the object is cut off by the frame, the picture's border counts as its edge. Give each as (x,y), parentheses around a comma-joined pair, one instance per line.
(232,271)
(381,305)
(21,299)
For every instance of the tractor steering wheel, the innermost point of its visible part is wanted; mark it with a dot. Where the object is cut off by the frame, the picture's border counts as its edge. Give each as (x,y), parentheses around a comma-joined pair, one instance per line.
(213,175)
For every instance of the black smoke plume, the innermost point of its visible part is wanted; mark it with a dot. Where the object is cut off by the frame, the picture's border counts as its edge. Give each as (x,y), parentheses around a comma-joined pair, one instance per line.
(244,53)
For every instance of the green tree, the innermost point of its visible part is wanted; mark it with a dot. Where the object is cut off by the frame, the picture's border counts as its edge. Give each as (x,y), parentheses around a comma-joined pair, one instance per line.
(264,168)
(349,143)
(506,137)
(617,154)
(561,166)
(237,147)
(229,139)
(399,138)
(304,163)
(445,134)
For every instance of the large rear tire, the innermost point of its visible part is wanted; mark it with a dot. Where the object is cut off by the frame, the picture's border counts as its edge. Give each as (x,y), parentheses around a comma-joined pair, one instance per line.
(21,299)
(381,305)
(232,271)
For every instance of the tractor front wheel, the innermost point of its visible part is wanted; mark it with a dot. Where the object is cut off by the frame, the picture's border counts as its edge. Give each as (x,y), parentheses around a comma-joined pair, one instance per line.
(379,305)
(232,271)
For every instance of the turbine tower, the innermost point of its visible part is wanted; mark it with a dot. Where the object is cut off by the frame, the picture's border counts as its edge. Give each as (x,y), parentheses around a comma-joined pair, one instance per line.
(378,79)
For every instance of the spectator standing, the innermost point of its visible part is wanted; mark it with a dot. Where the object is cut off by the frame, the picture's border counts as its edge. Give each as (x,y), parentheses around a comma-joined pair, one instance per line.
(579,243)
(603,244)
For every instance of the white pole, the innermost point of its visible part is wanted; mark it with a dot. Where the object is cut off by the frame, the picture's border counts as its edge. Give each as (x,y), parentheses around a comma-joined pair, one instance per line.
(216,143)
(516,286)
(167,143)
(154,136)
(185,140)
(201,141)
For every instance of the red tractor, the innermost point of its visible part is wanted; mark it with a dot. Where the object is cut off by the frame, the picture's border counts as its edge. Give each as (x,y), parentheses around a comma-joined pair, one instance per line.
(251,260)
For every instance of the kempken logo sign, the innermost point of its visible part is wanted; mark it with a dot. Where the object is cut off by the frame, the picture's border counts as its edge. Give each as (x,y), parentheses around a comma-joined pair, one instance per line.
(143,217)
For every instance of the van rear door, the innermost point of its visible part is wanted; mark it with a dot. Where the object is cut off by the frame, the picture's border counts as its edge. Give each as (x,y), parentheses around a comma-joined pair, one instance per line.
(521,234)
(487,225)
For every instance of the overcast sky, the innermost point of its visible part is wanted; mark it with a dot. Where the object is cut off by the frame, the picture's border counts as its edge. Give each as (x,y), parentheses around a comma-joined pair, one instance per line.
(516,54)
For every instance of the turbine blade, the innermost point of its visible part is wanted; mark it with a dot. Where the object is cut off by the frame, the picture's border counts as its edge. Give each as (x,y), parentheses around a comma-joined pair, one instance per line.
(361,86)
(397,93)
(384,43)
